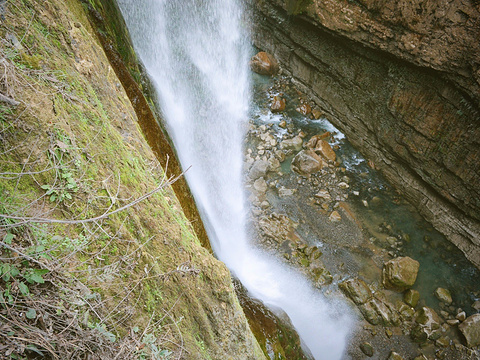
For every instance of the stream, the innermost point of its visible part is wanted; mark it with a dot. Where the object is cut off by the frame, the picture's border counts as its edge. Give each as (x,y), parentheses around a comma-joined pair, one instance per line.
(196,54)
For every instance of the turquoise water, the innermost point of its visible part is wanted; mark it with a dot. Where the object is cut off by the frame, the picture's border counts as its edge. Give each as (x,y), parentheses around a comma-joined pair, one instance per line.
(387,213)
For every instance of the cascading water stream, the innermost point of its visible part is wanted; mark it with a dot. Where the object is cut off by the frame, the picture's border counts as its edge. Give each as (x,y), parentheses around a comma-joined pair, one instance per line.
(196,53)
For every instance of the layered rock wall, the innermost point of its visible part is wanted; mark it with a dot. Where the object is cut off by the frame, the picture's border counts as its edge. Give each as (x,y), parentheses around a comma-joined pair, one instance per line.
(401,80)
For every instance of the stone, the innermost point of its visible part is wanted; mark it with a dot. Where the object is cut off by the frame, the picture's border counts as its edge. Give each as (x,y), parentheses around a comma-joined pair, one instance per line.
(307,162)
(323,195)
(470,329)
(476,305)
(367,349)
(443,341)
(356,289)
(295,143)
(274,164)
(411,297)
(428,325)
(399,274)
(316,114)
(264,64)
(260,185)
(258,169)
(304,109)
(283,191)
(324,149)
(395,356)
(453,322)
(443,295)
(278,104)
(461,316)
(334,217)
(283,124)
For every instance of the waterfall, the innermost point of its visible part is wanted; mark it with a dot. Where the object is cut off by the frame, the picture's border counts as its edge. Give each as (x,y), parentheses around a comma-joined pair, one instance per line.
(196,53)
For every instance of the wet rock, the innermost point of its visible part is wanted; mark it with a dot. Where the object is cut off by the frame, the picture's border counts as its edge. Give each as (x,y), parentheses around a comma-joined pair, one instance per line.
(443,341)
(453,322)
(379,311)
(264,64)
(356,289)
(279,228)
(443,295)
(411,297)
(307,162)
(258,169)
(295,143)
(394,356)
(470,329)
(367,349)
(260,185)
(324,149)
(278,104)
(304,109)
(399,274)
(283,124)
(476,305)
(428,325)
(316,114)
(334,217)
(280,155)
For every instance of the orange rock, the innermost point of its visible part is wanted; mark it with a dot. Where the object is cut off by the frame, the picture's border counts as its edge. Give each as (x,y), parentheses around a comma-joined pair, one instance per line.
(264,64)
(278,104)
(304,109)
(323,148)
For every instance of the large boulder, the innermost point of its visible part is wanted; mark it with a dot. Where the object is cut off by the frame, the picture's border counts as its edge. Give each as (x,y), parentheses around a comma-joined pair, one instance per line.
(307,162)
(324,149)
(264,64)
(399,274)
(356,289)
(470,328)
(428,325)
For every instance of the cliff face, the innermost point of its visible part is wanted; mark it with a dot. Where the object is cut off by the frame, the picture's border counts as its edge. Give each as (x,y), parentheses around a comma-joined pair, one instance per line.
(401,80)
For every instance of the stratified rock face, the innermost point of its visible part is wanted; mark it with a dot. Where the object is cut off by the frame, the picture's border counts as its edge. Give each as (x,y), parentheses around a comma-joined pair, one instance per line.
(401,80)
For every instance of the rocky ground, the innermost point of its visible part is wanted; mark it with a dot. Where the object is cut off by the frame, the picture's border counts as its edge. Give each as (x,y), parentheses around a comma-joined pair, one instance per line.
(301,208)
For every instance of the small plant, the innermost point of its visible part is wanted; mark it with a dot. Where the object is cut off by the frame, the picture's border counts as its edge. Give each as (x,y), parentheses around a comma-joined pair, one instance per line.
(150,350)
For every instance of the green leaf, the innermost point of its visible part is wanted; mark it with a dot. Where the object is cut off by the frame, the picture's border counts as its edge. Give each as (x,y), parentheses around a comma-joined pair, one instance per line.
(68,196)
(53,197)
(136,329)
(14,271)
(31,314)
(8,238)
(5,272)
(23,289)
(45,187)
(35,278)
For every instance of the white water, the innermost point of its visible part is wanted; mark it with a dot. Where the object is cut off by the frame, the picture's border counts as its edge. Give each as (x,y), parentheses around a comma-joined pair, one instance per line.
(196,53)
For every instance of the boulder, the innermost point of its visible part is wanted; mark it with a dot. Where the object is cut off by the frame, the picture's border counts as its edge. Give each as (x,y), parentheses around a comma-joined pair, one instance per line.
(258,169)
(307,162)
(443,295)
(428,325)
(324,149)
(470,329)
(411,297)
(264,64)
(367,349)
(356,289)
(316,114)
(260,185)
(399,274)
(278,104)
(377,311)
(295,143)
(304,109)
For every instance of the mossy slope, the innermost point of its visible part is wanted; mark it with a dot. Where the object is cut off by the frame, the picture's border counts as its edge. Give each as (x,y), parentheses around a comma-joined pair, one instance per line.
(72,150)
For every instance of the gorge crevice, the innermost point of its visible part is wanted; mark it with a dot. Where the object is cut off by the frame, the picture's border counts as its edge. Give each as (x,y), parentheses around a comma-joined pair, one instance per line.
(416,119)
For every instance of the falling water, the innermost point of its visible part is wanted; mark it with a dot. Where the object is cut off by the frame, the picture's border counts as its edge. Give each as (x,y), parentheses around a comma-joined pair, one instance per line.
(196,53)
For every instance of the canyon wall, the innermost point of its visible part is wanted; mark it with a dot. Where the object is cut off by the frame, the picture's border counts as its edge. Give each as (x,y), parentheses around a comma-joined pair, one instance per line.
(402,81)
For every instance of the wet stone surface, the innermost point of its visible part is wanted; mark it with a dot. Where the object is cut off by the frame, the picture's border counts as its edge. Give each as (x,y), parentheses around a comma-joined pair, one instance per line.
(319,206)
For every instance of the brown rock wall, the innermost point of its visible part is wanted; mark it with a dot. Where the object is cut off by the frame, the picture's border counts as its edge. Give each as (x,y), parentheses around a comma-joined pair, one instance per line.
(416,115)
